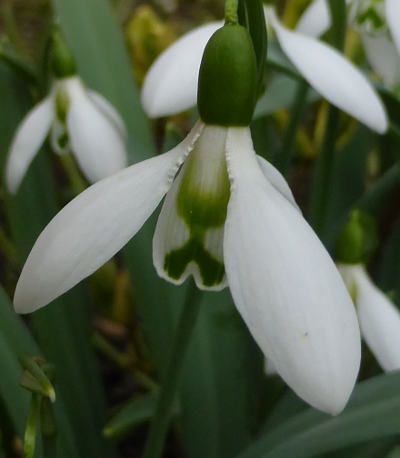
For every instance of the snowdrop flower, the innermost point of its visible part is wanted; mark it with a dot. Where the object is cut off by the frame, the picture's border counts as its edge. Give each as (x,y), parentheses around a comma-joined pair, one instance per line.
(228,218)
(377,21)
(78,119)
(171,83)
(378,317)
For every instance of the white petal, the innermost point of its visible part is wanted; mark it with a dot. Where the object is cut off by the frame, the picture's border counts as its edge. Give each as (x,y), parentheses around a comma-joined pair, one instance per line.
(286,286)
(28,138)
(105,106)
(205,165)
(383,58)
(274,176)
(269,368)
(392,10)
(315,20)
(333,76)
(59,137)
(379,321)
(95,140)
(94,226)
(170,85)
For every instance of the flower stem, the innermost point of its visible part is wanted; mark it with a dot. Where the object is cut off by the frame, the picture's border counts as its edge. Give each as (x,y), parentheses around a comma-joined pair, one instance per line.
(231,12)
(285,153)
(76,181)
(48,428)
(159,425)
(30,429)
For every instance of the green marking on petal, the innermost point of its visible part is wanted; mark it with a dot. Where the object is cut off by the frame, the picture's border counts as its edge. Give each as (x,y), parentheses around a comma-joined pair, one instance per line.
(203,194)
(62,140)
(201,202)
(211,271)
(372,16)
(62,105)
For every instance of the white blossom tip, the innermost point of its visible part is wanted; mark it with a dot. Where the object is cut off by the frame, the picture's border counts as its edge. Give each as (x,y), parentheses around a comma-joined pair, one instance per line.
(286,286)
(333,76)
(170,85)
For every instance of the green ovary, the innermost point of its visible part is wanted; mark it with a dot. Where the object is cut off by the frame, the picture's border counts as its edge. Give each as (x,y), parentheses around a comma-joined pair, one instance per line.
(201,202)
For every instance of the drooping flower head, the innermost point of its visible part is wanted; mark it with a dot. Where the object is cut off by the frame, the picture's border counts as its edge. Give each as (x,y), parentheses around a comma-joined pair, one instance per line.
(229,218)
(78,119)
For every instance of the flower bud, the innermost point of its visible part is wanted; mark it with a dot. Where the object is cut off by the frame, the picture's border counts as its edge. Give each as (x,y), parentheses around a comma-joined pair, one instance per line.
(357,240)
(228,78)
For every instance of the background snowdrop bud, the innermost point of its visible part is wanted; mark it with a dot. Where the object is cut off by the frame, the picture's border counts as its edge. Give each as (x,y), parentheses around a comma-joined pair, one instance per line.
(357,240)
(379,318)
(62,61)
(228,78)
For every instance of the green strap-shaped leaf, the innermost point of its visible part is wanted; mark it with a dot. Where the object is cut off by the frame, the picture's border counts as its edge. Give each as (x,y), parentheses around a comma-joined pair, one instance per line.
(221,371)
(372,413)
(95,38)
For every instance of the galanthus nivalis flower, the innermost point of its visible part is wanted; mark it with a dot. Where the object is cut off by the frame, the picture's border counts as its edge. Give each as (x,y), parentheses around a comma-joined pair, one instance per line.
(379,318)
(79,120)
(229,218)
(171,83)
(377,21)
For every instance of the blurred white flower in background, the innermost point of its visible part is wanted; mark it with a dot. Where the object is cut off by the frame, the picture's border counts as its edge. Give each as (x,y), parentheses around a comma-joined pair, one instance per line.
(79,120)
(378,23)
(378,317)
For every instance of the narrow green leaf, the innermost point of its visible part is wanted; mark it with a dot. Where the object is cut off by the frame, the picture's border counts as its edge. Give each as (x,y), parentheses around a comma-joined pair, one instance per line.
(132,414)
(219,377)
(372,413)
(395,453)
(389,269)
(348,184)
(96,41)
(339,23)
(279,95)
(322,179)
(376,448)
